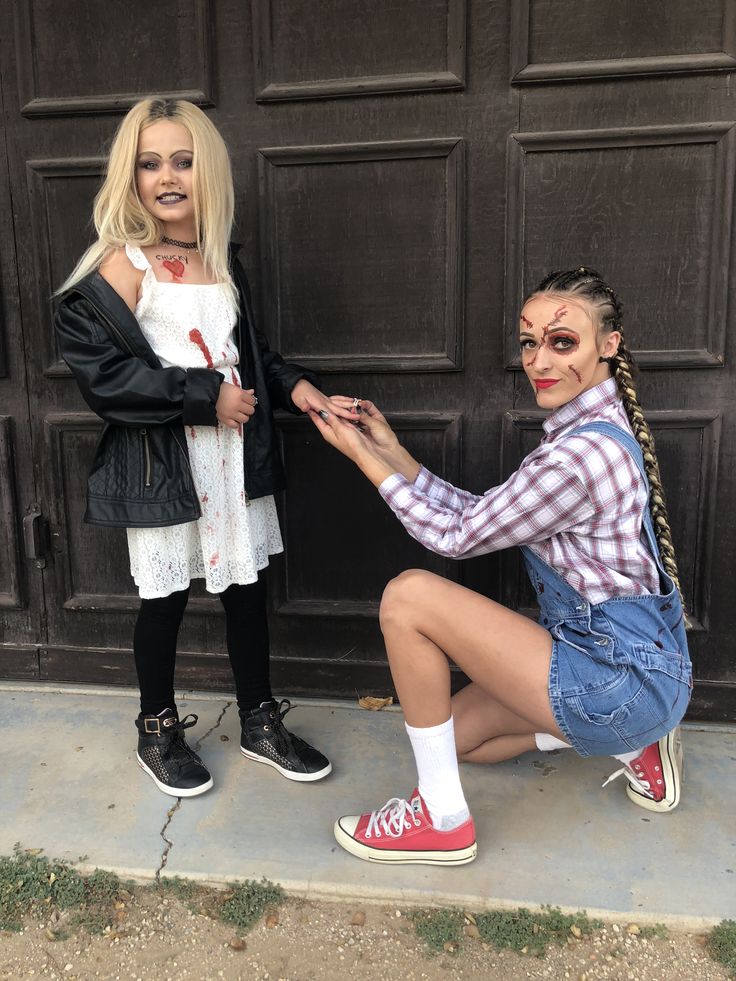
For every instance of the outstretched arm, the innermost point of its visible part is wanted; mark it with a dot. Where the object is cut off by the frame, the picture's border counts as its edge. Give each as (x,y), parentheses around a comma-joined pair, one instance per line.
(536,502)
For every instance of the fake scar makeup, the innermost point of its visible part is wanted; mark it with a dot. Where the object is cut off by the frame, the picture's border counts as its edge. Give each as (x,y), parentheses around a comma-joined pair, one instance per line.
(559,340)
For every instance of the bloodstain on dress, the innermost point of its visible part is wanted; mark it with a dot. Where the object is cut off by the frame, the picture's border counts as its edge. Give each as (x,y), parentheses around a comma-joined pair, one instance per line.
(195,336)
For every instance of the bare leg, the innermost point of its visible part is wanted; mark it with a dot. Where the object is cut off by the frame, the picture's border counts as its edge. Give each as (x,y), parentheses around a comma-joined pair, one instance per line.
(427,619)
(485,730)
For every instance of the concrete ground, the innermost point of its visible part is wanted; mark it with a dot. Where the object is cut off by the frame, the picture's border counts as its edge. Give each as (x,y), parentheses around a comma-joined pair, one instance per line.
(547,832)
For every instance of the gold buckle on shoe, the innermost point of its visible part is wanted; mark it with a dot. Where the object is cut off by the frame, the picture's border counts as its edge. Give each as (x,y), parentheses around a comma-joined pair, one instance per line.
(156,730)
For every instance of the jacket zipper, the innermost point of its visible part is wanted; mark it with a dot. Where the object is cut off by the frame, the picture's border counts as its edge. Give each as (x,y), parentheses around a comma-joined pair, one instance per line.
(147,456)
(126,344)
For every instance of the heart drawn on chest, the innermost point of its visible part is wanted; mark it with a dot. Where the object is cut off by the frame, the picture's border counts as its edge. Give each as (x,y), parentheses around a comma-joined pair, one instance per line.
(175,267)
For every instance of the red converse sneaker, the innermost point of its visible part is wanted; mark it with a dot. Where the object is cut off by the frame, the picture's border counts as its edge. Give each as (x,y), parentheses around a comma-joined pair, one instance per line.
(401,833)
(655,777)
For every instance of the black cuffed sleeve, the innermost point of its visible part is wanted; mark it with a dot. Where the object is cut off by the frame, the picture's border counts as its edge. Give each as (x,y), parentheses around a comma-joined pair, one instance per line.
(123,388)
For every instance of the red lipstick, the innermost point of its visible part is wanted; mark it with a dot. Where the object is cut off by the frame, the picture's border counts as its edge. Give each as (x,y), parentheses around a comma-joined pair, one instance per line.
(545,382)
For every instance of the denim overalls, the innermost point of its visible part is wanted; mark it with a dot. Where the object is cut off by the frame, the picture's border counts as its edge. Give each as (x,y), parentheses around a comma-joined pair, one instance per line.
(620,675)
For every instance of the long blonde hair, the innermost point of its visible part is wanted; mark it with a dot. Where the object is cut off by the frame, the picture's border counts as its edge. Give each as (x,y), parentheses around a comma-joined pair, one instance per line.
(119,214)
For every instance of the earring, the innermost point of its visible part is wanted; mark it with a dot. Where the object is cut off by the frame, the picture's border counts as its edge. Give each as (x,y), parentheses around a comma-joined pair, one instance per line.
(604,360)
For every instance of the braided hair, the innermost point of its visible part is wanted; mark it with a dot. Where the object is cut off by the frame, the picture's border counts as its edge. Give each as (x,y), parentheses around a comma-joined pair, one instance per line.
(587,285)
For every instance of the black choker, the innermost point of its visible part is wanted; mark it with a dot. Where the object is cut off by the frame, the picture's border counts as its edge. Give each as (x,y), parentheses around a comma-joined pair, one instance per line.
(192,246)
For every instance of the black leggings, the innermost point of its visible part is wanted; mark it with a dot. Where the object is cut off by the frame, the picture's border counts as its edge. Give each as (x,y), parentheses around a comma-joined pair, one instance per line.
(154,645)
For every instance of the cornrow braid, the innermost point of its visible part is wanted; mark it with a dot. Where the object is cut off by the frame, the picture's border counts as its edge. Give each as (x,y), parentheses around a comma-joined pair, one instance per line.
(588,285)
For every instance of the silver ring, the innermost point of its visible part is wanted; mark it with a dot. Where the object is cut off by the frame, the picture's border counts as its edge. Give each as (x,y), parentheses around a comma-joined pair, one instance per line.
(356,402)
(255,400)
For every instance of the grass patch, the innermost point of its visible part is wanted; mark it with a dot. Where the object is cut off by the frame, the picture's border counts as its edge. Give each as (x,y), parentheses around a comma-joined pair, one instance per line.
(519,930)
(440,929)
(722,944)
(247,901)
(183,889)
(32,884)
(656,932)
(532,933)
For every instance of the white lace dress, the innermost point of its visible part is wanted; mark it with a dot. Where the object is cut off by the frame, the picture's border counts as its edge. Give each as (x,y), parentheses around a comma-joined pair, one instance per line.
(191,326)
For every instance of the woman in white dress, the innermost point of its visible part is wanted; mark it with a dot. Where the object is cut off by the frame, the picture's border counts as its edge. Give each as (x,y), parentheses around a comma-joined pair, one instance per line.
(156,324)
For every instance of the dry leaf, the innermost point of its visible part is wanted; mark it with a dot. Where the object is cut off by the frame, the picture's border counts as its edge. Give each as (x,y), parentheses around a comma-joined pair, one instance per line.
(471,930)
(576,931)
(358,918)
(449,946)
(373,703)
(272,920)
(237,943)
(33,851)
(633,928)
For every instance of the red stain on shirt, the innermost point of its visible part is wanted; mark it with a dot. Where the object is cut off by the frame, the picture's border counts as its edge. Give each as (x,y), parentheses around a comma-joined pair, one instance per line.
(175,267)
(195,336)
(192,432)
(235,378)
(214,558)
(205,498)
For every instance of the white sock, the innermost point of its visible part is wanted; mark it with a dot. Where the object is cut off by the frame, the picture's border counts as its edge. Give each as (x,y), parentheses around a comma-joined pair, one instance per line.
(438,774)
(547,742)
(626,758)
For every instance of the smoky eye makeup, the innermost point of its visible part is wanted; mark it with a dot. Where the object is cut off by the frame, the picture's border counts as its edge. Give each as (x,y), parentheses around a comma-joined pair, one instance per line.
(564,343)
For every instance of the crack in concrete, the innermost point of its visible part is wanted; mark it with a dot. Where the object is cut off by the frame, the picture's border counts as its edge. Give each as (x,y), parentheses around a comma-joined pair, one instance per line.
(168,843)
(219,719)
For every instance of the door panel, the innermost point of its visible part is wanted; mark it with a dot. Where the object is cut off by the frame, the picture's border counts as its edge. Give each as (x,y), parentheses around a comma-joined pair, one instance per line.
(404,174)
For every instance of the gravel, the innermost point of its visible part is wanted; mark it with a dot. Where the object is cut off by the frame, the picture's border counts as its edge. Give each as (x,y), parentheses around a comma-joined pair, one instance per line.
(160,938)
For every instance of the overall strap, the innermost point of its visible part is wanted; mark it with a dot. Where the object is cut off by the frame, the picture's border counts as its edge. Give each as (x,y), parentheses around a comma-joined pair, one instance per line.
(629,443)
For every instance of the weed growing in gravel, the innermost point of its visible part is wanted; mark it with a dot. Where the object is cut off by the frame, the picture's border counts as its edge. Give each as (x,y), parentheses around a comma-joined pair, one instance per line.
(184,890)
(722,944)
(532,933)
(31,883)
(247,902)
(519,930)
(440,929)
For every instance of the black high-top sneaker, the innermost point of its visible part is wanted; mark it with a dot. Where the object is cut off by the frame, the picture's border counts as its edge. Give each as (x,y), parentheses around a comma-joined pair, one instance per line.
(265,739)
(164,755)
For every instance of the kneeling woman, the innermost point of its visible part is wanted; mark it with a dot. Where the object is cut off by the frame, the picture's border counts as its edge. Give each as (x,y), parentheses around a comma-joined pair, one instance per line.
(606,671)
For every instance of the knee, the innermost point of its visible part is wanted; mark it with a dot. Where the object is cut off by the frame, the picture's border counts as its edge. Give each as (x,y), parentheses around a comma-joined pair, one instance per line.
(401,595)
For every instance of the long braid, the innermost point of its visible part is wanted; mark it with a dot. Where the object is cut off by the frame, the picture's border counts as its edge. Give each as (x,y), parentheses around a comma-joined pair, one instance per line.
(622,364)
(587,284)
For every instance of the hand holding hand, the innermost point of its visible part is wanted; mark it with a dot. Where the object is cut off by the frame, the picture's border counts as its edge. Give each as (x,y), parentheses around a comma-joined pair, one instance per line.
(235,405)
(370,421)
(308,398)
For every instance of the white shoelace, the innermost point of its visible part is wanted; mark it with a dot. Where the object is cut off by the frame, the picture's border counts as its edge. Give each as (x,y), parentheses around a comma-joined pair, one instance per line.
(392,819)
(643,785)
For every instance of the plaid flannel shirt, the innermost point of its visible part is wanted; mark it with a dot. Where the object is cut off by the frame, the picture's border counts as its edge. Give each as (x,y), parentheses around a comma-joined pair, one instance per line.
(576,501)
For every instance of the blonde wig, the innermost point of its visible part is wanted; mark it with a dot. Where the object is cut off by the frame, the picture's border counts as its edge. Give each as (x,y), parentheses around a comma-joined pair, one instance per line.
(120,216)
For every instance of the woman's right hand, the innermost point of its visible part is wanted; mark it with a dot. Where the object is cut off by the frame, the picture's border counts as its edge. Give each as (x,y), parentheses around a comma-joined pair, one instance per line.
(371,422)
(235,405)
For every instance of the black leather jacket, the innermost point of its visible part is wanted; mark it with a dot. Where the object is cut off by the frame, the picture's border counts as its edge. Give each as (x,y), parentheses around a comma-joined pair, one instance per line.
(140,475)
